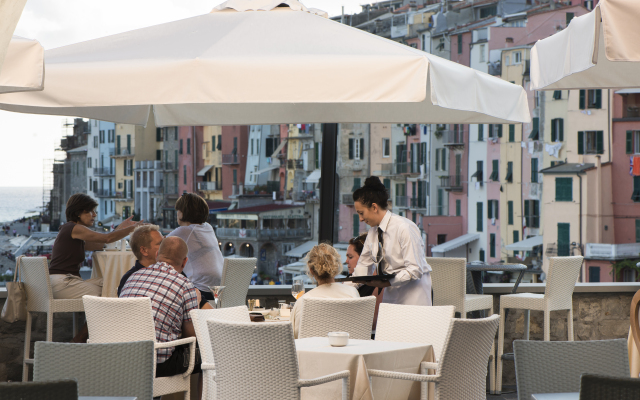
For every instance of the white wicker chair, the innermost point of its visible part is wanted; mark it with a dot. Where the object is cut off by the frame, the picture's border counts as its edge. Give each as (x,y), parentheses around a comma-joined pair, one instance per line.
(449,279)
(105,369)
(321,316)
(199,318)
(34,272)
(462,371)
(239,361)
(114,320)
(236,278)
(561,280)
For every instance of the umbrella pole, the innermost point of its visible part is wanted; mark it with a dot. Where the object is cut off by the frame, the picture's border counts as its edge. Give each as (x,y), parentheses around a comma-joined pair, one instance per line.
(328,187)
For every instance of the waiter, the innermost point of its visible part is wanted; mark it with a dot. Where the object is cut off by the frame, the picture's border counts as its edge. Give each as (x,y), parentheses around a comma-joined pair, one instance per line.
(403,251)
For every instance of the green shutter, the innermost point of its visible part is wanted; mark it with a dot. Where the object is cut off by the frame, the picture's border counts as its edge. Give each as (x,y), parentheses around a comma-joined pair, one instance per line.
(598,98)
(444,159)
(581,142)
(356,184)
(492,245)
(437,159)
(569,17)
(526,212)
(564,189)
(534,131)
(350,149)
(599,142)
(561,130)
(387,184)
(479,216)
(480,132)
(637,230)
(553,130)
(481,255)
(564,240)
(489,209)
(536,214)
(534,170)
(356,225)
(512,133)
(458,213)
(459,44)
(118,145)
(440,202)
(629,142)
(159,155)
(582,99)
(510,212)
(635,196)
(516,239)
(500,130)
(557,94)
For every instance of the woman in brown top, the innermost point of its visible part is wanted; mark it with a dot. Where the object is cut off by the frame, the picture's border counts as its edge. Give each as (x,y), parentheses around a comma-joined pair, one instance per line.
(73,239)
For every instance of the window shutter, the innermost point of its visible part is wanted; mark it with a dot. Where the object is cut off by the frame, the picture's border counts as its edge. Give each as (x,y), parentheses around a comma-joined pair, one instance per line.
(629,142)
(492,245)
(362,149)
(599,142)
(437,159)
(459,44)
(356,184)
(444,159)
(536,214)
(213,143)
(118,145)
(159,155)
(356,225)
(561,129)
(526,212)
(553,130)
(516,239)
(490,130)
(387,184)
(534,170)
(424,154)
(563,240)
(500,130)
(180,146)
(510,212)
(581,142)
(458,203)
(220,143)
(598,98)
(479,216)
(351,145)
(158,134)
(557,94)
(480,133)
(582,99)
(489,209)
(481,255)
(637,230)
(512,133)
(496,211)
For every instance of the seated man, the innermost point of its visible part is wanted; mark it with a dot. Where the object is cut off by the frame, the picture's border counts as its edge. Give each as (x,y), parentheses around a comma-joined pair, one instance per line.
(145,242)
(172,296)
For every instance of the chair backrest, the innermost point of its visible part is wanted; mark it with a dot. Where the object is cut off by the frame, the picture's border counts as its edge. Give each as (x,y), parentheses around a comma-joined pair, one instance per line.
(597,387)
(449,280)
(244,351)
(321,316)
(555,367)
(105,369)
(53,390)
(34,272)
(415,324)
(561,280)
(200,317)
(236,278)
(463,368)
(635,320)
(113,320)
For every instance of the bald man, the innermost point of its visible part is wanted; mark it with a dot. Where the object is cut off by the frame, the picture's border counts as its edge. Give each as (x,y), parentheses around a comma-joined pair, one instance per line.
(172,296)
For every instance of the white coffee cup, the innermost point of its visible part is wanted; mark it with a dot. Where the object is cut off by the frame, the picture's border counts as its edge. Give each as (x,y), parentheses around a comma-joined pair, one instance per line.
(338,339)
(285,312)
(361,271)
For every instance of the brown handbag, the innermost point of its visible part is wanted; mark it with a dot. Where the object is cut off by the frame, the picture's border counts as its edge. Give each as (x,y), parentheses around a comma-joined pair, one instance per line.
(15,307)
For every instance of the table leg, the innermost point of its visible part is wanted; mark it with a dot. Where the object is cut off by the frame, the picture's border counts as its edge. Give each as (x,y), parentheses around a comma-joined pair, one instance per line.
(515,287)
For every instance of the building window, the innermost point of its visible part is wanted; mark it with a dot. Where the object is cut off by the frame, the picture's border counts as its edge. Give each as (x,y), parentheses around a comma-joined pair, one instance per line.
(356,225)
(532,213)
(517,57)
(181,146)
(492,209)
(633,142)
(492,245)
(594,274)
(495,130)
(235,176)
(480,133)
(443,158)
(534,170)
(569,16)
(495,171)
(482,51)
(459,44)
(481,255)
(635,196)
(440,201)
(557,130)
(479,218)
(158,134)
(590,99)
(509,177)
(213,143)
(564,242)
(590,142)
(188,146)
(510,212)
(557,94)
(184,173)
(386,147)
(516,239)
(356,184)
(479,172)
(458,208)
(564,189)
(158,155)
(512,133)
(356,149)
(637,230)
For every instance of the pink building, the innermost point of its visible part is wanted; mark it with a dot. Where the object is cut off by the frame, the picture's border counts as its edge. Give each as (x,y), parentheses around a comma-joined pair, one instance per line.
(234,159)
(190,159)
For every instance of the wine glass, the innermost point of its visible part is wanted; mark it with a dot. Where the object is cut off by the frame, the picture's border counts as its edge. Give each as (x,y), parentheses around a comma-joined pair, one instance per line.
(216,290)
(297,286)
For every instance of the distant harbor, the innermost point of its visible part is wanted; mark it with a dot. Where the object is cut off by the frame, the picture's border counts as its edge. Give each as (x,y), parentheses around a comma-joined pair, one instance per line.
(18,202)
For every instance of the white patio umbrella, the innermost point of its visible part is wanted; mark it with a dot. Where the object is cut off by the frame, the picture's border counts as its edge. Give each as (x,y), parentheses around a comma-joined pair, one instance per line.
(23,68)
(10,12)
(284,64)
(600,49)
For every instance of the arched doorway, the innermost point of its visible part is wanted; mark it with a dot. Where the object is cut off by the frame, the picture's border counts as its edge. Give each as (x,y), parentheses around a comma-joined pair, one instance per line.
(229,249)
(246,250)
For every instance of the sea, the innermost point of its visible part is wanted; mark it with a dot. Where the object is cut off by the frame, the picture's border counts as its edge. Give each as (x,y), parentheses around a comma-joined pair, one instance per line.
(18,202)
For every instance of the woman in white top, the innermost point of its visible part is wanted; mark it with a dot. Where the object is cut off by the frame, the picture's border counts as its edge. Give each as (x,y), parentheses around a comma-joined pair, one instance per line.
(204,264)
(323,263)
(403,251)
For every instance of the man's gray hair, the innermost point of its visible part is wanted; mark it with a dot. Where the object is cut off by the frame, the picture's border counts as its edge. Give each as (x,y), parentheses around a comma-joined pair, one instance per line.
(141,237)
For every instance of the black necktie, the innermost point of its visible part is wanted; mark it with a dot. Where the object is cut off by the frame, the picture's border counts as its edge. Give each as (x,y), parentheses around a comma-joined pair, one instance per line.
(381,241)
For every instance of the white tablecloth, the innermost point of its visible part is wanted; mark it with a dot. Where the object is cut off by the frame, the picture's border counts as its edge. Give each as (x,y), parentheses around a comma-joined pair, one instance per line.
(110,266)
(317,358)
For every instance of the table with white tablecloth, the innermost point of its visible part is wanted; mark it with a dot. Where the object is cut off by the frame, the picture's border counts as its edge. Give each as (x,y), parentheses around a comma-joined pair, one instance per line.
(111,266)
(317,358)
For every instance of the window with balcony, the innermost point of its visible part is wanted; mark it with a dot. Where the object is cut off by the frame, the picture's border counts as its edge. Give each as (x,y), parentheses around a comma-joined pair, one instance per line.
(590,142)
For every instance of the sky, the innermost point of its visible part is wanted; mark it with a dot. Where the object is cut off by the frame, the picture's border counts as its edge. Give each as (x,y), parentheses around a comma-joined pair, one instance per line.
(27,140)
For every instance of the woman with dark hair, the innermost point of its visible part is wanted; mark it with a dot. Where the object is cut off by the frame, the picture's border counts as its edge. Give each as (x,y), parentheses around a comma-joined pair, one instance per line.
(399,240)
(204,264)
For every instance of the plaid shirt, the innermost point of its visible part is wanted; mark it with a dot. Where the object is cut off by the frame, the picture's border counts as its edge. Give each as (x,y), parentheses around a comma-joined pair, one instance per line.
(172,297)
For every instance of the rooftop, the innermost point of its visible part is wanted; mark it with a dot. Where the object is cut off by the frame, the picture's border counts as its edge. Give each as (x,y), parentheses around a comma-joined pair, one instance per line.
(567,168)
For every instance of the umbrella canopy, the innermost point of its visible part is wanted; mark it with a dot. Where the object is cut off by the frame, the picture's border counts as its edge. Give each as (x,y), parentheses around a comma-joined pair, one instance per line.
(597,50)
(23,68)
(284,64)
(10,12)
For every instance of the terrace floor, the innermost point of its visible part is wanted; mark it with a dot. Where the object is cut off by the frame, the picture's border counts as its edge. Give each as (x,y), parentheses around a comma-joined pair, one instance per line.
(508,393)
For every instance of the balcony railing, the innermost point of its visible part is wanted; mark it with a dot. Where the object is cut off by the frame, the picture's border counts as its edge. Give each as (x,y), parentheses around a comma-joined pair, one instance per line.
(453,138)
(263,234)
(407,167)
(170,191)
(387,169)
(156,189)
(295,164)
(209,186)
(124,152)
(106,193)
(169,166)
(230,159)
(123,195)
(347,199)
(104,172)
(310,196)
(418,202)
(401,201)
(237,190)
(451,182)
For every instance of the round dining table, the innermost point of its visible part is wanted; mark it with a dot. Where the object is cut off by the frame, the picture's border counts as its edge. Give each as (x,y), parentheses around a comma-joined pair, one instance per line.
(111,266)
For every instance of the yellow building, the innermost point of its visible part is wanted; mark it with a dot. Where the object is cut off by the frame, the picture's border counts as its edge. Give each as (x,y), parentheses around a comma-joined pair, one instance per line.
(123,156)
(211,185)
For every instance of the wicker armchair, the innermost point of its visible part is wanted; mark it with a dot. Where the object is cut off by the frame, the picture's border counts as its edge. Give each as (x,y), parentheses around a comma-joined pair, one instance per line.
(600,387)
(321,316)
(114,320)
(462,371)
(238,363)
(555,367)
(52,390)
(561,280)
(199,318)
(35,275)
(635,323)
(111,369)
(236,278)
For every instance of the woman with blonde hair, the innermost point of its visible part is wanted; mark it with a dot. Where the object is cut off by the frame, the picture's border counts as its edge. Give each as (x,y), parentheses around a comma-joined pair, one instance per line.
(323,264)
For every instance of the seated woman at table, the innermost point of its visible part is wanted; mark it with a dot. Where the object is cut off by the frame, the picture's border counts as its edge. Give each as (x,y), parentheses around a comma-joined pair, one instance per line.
(74,238)
(323,264)
(353,255)
(204,267)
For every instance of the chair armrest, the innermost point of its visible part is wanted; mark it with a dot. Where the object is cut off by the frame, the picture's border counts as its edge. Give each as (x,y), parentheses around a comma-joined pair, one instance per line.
(425,365)
(403,375)
(163,345)
(207,366)
(324,379)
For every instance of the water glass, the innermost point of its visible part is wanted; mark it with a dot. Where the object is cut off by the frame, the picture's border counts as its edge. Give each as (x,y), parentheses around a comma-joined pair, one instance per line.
(296,287)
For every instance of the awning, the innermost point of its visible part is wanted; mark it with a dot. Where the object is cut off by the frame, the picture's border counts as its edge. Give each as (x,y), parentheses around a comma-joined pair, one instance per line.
(525,245)
(204,170)
(455,243)
(628,91)
(314,177)
(301,250)
(280,146)
(269,168)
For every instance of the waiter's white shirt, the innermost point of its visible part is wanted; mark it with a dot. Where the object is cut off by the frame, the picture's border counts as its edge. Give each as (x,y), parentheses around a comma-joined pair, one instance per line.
(404,253)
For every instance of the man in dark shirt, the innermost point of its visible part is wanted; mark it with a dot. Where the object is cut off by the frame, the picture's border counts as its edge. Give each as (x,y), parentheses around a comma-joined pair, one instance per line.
(145,242)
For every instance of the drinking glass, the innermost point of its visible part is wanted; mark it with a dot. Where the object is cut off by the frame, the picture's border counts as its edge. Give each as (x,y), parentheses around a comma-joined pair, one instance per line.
(216,295)
(296,287)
